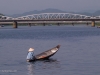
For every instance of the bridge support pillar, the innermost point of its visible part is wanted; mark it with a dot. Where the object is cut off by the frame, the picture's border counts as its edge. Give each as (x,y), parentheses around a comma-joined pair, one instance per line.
(87,23)
(73,24)
(93,23)
(43,24)
(15,24)
(29,24)
(58,24)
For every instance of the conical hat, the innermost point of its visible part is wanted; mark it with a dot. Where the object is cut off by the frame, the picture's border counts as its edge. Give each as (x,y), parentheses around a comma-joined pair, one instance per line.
(31,49)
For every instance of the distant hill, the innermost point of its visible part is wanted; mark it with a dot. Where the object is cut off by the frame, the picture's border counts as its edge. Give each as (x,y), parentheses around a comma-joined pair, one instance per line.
(97,13)
(37,12)
(1,14)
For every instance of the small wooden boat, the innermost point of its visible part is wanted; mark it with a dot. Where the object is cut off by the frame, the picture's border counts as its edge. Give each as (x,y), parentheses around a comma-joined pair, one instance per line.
(47,54)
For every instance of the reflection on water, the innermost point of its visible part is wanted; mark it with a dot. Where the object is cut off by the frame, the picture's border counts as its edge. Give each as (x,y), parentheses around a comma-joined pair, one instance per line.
(30,69)
(48,64)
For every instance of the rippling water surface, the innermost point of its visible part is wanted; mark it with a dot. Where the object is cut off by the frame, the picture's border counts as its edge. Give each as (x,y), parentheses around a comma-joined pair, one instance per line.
(79,53)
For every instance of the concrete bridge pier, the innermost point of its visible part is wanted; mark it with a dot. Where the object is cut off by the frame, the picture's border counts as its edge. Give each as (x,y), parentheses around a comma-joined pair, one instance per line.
(43,24)
(29,24)
(87,23)
(58,24)
(93,23)
(73,24)
(15,24)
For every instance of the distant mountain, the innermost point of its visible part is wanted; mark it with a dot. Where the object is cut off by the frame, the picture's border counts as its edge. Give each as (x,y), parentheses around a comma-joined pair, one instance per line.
(97,13)
(1,14)
(37,12)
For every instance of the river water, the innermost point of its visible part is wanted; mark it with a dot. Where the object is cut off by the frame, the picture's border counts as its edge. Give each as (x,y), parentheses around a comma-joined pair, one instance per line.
(79,53)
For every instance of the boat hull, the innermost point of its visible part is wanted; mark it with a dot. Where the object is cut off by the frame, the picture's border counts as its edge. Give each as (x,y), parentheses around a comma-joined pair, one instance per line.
(45,55)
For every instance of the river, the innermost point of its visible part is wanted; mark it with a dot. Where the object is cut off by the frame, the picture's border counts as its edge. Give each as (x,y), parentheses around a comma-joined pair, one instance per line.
(79,53)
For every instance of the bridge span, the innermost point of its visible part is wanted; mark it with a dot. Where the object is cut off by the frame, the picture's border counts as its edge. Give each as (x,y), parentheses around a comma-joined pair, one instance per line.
(50,17)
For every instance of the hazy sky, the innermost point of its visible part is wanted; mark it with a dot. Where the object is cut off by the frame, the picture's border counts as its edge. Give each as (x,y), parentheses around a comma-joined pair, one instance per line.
(21,6)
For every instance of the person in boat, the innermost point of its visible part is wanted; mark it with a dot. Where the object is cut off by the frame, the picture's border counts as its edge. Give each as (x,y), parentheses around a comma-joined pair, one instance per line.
(30,55)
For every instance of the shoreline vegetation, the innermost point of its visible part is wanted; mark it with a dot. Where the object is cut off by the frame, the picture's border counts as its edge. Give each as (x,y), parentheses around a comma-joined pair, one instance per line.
(53,24)
(98,24)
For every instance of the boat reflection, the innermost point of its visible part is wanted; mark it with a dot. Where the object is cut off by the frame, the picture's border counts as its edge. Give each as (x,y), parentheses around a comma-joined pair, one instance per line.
(35,67)
(50,60)
(30,69)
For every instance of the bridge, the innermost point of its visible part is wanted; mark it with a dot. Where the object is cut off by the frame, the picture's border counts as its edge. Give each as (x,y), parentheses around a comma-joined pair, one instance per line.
(49,17)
